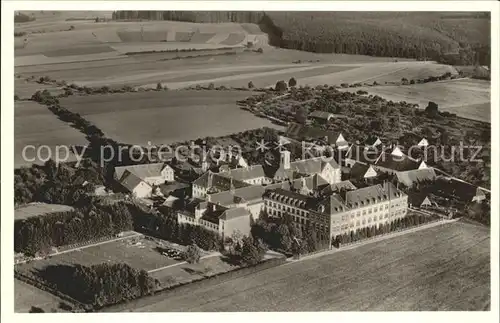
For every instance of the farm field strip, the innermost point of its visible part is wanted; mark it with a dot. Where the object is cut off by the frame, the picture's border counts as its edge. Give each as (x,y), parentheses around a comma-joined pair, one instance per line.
(26,296)
(35,125)
(402,268)
(166,117)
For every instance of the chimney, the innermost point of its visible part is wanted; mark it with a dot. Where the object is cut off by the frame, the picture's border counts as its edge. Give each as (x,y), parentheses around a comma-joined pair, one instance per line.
(285,159)
(210,179)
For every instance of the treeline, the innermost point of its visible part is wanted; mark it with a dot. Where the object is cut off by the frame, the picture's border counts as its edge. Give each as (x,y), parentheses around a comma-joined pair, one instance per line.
(374,34)
(99,285)
(94,221)
(282,235)
(166,227)
(409,221)
(56,183)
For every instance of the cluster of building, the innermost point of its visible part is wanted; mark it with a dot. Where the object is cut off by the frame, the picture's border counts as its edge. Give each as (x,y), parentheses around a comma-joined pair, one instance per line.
(310,191)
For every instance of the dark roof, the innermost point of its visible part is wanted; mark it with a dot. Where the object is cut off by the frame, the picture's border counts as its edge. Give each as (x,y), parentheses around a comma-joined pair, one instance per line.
(358,171)
(321,115)
(235,213)
(142,170)
(213,213)
(417,198)
(298,131)
(337,187)
(408,178)
(371,194)
(397,163)
(455,188)
(362,154)
(130,180)
(218,182)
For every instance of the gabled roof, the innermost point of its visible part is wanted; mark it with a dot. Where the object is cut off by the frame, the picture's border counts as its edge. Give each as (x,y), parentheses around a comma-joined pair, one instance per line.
(218,182)
(363,154)
(397,163)
(235,213)
(417,198)
(372,140)
(408,178)
(142,171)
(130,181)
(358,171)
(337,187)
(371,194)
(245,173)
(321,115)
(461,190)
(297,131)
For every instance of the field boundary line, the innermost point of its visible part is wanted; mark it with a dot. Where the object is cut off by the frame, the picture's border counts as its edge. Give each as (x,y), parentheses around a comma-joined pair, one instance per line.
(137,234)
(215,254)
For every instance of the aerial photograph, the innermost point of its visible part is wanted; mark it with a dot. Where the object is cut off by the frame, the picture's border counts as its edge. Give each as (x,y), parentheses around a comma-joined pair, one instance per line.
(251,161)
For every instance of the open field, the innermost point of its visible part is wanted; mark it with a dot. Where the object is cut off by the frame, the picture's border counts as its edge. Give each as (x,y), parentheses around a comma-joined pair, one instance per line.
(441,268)
(24,89)
(166,117)
(35,125)
(26,296)
(467,98)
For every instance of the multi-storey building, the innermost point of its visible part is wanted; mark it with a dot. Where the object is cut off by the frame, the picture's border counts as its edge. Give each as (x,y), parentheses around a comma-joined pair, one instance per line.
(342,212)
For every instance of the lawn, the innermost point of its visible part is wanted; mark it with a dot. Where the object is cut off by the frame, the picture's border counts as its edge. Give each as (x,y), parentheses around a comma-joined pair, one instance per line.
(35,125)
(137,252)
(441,268)
(165,117)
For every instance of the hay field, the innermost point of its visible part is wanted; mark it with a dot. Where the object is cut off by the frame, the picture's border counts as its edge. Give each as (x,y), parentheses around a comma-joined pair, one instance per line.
(467,98)
(35,125)
(446,267)
(26,295)
(166,117)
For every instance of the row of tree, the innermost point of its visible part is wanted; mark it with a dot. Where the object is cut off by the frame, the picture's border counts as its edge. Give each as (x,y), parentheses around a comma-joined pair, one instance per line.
(99,285)
(406,222)
(97,220)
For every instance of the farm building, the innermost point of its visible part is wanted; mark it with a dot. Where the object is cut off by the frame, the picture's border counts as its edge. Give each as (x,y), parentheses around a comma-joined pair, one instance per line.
(321,116)
(135,185)
(153,174)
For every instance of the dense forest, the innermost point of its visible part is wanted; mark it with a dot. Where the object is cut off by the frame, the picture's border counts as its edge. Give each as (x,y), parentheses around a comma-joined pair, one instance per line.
(99,285)
(458,39)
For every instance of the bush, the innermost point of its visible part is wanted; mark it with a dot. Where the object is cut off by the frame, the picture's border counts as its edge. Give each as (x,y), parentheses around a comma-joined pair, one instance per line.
(211,86)
(344,85)
(159,87)
(260,50)
(192,254)
(281,86)
(250,85)
(16,97)
(35,309)
(292,82)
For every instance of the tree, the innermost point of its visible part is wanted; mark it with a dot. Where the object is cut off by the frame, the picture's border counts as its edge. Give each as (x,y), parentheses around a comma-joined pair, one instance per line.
(260,50)
(301,115)
(192,254)
(292,82)
(281,86)
(159,86)
(250,253)
(35,309)
(211,86)
(431,109)
(250,85)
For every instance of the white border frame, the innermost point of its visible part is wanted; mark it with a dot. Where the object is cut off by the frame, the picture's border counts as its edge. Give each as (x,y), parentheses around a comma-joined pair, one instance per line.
(7,152)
